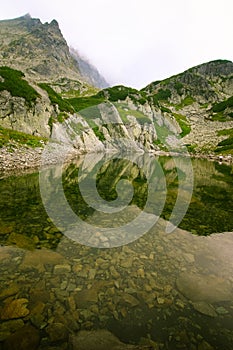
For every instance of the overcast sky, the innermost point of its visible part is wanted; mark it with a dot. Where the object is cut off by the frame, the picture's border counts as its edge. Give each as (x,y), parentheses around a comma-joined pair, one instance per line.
(134,42)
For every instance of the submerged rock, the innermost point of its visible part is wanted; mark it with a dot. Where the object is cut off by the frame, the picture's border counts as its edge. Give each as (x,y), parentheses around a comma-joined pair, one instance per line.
(101,340)
(200,287)
(15,309)
(26,338)
(57,332)
(204,308)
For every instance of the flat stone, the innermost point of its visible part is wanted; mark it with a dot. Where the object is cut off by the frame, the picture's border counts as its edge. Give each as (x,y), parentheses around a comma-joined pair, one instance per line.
(8,327)
(15,309)
(39,257)
(21,241)
(101,340)
(87,296)
(129,299)
(9,291)
(198,287)
(57,332)
(26,338)
(204,308)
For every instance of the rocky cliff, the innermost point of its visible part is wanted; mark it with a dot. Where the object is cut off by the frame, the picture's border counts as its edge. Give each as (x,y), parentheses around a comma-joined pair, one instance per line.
(88,71)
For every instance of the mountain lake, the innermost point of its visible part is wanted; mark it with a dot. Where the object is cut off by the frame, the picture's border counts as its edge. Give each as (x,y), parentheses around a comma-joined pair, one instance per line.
(144,285)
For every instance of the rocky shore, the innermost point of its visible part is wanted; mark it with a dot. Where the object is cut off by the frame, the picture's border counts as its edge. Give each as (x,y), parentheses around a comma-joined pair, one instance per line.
(27,159)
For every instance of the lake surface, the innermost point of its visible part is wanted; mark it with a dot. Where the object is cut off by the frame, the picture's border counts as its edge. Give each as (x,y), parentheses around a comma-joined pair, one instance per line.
(161,290)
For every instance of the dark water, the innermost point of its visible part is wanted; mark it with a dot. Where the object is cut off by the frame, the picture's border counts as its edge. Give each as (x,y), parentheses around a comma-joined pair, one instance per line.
(164,290)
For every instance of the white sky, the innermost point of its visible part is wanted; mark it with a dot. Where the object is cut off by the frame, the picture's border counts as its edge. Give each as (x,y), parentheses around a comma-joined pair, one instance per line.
(135,42)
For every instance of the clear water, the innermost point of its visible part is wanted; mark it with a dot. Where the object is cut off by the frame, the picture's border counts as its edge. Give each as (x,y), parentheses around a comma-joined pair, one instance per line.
(167,291)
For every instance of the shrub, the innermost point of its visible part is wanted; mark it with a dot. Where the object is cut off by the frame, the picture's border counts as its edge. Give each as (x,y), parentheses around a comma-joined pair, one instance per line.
(178,86)
(162,94)
(221,106)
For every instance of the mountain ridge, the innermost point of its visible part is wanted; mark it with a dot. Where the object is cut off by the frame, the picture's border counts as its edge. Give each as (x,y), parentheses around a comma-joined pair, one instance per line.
(40,50)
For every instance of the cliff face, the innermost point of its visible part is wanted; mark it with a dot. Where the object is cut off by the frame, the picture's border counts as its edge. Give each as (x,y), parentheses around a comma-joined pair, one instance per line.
(202,97)
(88,71)
(39,50)
(41,54)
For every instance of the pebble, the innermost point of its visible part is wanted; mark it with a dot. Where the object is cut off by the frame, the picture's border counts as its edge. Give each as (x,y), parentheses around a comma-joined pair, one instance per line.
(62,269)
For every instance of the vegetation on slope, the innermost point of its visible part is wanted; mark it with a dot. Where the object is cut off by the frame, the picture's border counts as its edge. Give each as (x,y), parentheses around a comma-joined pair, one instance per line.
(225,146)
(12,81)
(183,123)
(56,99)
(221,106)
(120,93)
(7,136)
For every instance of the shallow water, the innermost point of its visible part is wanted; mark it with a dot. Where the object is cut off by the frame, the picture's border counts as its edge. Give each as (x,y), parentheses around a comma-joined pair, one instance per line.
(167,291)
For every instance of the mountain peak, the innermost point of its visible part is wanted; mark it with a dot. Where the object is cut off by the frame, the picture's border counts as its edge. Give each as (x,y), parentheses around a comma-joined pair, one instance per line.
(27,16)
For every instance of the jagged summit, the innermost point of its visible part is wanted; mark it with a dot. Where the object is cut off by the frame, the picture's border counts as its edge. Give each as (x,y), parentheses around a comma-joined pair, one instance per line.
(40,51)
(27,16)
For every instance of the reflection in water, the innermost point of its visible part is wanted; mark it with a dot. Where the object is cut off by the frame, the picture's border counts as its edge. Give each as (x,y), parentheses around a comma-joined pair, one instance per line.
(163,291)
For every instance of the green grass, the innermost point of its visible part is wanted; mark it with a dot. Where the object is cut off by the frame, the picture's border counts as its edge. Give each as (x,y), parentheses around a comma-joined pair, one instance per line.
(221,106)
(7,136)
(187,101)
(183,123)
(98,133)
(120,93)
(225,132)
(161,95)
(179,87)
(165,109)
(14,83)
(219,117)
(56,99)
(141,118)
(83,92)
(225,146)
(85,102)
(191,148)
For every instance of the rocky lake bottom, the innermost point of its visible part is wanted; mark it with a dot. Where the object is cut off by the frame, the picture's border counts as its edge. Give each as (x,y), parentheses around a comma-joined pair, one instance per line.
(159,291)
